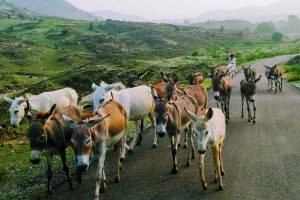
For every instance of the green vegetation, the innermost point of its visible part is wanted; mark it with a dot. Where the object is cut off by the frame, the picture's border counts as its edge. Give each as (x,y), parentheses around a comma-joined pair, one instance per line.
(292,70)
(277,37)
(265,27)
(39,54)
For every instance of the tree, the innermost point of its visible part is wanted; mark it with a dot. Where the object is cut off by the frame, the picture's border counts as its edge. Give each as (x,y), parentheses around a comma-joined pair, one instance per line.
(277,37)
(265,27)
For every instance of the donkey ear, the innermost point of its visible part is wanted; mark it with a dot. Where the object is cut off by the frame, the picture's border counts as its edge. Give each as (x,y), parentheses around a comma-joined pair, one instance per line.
(258,79)
(193,116)
(209,114)
(68,121)
(267,66)
(164,77)
(175,78)
(49,113)
(93,122)
(8,100)
(112,95)
(94,86)
(154,93)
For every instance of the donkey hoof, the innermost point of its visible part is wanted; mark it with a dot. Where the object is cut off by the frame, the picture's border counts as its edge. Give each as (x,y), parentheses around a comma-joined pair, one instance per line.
(185,146)
(154,146)
(193,156)
(204,187)
(130,150)
(120,168)
(215,180)
(122,159)
(174,170)
(222,173)
(179,145)
(226,121)
(254,121)
(188,163)
(242,116)
(249,120)
(102,189)
(220,188)
(117,179)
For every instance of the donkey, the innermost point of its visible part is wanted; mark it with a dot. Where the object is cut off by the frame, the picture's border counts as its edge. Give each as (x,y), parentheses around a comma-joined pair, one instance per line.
(106,129)
(210,133)
(137,106)
(172,119)
(219,70)
(52,136)
(248,91)
(21,106)
(196,78)
(249,72)
(222,87)
(87,100)
(276,74)
(136,79)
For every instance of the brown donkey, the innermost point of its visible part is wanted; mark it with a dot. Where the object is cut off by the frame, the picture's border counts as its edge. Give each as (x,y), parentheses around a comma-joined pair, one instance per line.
(108,127)
(196,78)
(222,87)
(248,91)
(172,119)
(275,73)
(52,136)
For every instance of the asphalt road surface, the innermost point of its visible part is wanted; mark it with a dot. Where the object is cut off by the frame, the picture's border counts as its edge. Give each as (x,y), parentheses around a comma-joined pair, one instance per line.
(261,161)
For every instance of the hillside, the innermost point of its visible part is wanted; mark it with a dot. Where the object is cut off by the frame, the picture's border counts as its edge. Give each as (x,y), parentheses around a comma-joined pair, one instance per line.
(107,14)
(57,8)
(10,11)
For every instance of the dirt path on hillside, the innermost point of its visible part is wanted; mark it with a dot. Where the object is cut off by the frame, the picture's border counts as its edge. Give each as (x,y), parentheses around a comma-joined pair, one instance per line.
(261,161)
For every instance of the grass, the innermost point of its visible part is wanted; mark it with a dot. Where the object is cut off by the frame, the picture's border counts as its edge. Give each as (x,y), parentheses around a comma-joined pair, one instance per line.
(292,73)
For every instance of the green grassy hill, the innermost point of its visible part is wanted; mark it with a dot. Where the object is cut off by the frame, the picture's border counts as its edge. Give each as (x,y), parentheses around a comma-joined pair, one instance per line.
(10,11)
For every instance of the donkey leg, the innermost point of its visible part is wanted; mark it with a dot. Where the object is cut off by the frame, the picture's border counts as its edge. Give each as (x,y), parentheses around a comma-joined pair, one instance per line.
(118,162)
(249,111)
(101,152)
(185,139)
(153,123)
(281,80)
(221,162)
(216,155)
(174,152)
(133,142)
(66,169)
(242,106)
(49,174)
(201,170)
(276,85)
(254,112)
(191,150)
(140,136)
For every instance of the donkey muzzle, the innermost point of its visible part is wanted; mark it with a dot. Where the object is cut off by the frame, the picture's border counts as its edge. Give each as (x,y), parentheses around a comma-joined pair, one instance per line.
(82,167)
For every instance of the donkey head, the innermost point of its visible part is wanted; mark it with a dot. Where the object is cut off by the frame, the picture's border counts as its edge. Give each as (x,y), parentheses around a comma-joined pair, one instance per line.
(249,89)
(247,70)
(37,135)
(170,88)
(136,79)
(195,78)
(218,85)
(270,71)
(82,139)
(201,129)
(16,110)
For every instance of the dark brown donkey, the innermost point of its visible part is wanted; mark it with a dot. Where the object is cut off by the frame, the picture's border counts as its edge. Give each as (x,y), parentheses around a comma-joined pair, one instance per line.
(249,72)
(275,73)
(106,128)
(222,87)
(52,136)
(172,119)
(248,91)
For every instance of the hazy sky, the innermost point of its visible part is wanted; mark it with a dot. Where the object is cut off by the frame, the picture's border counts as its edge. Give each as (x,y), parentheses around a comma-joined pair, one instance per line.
(163,9)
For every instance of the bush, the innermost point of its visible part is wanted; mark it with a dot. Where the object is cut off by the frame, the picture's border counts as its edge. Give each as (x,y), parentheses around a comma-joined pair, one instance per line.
(195,53)
(64,31)
(277,37)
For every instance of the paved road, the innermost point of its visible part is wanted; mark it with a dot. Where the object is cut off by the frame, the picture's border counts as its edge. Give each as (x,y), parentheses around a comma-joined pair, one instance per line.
(261,161)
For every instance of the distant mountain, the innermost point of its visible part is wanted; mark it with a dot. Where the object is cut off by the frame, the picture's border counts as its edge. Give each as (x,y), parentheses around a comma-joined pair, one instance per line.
(107,14)
(274,12)
(227,25)
(58,8)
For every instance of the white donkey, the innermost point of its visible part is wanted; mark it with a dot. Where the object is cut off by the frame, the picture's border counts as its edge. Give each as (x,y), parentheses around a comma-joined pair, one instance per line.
(43,102)
(137,102)
(210,132)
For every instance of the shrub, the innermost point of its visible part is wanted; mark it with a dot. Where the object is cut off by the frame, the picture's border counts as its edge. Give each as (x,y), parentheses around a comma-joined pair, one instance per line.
(277,37)
(195,53)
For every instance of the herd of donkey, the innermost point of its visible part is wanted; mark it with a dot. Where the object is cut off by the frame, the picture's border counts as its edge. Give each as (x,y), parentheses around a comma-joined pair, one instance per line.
(58,121)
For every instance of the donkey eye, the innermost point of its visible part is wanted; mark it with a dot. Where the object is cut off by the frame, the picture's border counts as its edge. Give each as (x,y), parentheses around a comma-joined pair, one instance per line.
(206,133)
(88,141)
(166,114)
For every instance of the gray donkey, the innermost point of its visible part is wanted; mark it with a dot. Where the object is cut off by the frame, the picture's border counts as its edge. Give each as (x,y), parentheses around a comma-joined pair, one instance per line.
(248,91)
(249,72)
